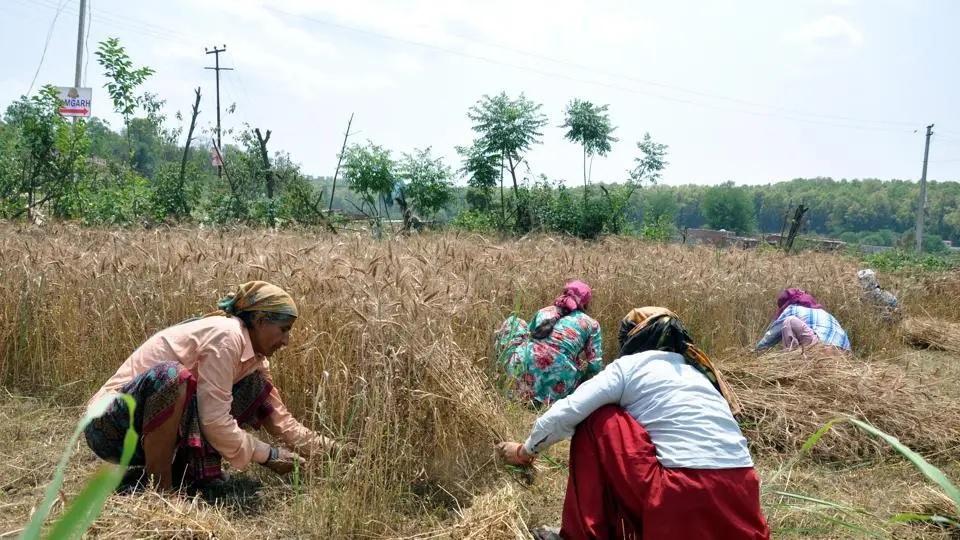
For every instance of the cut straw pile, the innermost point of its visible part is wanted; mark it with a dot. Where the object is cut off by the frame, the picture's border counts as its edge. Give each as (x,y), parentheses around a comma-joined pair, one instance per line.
(787,396)
(931,333)
(157,516)
(497,515)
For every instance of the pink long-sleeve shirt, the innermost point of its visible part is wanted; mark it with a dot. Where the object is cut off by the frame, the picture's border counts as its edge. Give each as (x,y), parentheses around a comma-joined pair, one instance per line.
(218,351)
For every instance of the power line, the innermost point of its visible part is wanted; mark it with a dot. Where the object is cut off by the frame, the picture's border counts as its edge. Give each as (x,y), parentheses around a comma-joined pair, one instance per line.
(46,44)
(119,22)
(800,116)
(791,114)
(86,42)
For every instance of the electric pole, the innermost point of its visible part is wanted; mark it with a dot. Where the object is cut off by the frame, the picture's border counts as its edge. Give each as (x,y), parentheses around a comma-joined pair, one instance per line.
(216,52)
(83,20)
(922,205)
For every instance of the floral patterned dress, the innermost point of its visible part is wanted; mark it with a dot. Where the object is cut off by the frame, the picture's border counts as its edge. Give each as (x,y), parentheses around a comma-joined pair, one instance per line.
(547,363)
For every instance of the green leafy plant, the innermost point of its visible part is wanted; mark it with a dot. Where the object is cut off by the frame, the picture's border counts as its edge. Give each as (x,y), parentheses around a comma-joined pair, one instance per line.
(123,79)
(930,471)
(88,504)
(424,182)
(508,128)
(369,172)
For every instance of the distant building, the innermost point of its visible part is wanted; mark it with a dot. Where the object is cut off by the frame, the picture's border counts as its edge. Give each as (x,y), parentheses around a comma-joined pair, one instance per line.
(711,237)
(724,238)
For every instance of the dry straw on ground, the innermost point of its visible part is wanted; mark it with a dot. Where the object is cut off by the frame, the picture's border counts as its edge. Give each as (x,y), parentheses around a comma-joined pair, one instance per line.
(932,333)
(393,352)
(787,396)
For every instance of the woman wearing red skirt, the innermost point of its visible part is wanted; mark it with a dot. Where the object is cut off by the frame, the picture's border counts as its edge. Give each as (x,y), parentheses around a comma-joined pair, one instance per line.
(656,451)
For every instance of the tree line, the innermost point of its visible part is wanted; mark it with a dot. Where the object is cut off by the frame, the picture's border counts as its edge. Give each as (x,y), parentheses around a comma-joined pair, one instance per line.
(868,211)
(154,168)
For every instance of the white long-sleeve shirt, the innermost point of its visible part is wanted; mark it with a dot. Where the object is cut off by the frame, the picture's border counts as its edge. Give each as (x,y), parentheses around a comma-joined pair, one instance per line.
(688,420)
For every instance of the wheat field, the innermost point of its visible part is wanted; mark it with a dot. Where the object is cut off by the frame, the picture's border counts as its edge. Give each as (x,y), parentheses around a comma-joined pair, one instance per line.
(393,351)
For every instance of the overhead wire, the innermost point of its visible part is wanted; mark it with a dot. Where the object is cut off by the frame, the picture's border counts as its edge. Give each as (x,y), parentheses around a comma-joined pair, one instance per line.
(843,122)
(86,42)
(118,22)
(46,44)
(789,115)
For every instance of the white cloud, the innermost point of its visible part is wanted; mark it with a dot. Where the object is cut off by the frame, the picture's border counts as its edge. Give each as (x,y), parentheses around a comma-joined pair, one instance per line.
(827,32)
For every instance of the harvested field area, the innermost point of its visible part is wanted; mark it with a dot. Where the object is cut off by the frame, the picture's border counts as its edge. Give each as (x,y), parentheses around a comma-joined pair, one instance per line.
(393,351)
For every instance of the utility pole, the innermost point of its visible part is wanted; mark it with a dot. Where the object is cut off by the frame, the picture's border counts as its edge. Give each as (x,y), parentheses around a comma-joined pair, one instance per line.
(83,20)
(339,161)
(922,205)
(216,52)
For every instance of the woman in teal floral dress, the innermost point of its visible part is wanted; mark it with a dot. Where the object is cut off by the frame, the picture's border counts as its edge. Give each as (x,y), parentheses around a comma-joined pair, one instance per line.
(560,348)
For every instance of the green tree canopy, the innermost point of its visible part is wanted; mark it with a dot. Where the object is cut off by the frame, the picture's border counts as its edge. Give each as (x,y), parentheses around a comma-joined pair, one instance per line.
(425,182)
(369,172)
(589,125)
(481,167)
(509,128)
(729,207)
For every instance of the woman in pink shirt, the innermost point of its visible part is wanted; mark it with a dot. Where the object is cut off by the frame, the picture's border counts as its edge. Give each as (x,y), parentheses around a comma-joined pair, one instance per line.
(196,383)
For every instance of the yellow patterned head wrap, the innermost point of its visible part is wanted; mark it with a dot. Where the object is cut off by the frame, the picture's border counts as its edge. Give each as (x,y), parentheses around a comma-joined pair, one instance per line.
(257,296)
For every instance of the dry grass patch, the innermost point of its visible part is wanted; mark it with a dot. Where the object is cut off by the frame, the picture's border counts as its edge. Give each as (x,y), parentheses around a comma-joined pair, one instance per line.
(787,396)
(931,333)
(393,352)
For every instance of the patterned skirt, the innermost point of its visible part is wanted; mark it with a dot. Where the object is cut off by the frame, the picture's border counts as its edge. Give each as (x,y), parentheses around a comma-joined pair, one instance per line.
(155,392)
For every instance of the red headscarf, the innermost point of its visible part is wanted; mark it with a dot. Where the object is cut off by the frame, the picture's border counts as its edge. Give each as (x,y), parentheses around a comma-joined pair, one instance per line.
(576,295)
(795,297)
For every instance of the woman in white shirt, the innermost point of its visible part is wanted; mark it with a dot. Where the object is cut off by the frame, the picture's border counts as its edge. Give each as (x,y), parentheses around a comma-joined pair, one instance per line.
(656,451)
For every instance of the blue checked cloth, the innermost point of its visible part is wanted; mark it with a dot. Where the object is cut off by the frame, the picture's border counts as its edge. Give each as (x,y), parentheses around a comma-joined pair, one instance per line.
(823,324)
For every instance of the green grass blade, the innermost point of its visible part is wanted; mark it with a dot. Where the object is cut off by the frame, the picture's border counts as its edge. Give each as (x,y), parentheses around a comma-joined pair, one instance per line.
(32,531)
(909,517)
(854,527)
(86,506)
(822,502)
(928,470)
(825,504)
(815,438)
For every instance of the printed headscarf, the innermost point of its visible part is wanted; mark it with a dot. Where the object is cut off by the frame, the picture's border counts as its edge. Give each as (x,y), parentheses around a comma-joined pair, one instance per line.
(576,295)
(257,296)
(868,279)
(659,329)
(795,297)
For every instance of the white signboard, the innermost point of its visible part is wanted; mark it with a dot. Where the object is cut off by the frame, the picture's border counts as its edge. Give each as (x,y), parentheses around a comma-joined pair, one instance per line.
(215,159)
(75,101)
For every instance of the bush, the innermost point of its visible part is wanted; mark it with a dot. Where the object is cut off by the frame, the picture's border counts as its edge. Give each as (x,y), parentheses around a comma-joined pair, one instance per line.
(662,230)
(122,201)
(221,208)
(169,198)
(475,221)
(898,260)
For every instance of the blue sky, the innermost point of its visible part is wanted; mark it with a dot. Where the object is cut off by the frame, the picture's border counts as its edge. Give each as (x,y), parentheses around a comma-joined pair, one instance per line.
(750,91)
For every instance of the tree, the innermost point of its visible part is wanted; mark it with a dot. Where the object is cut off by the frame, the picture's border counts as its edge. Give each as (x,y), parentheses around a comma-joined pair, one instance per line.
(589,125)
(123,80)
(647,170)
(651,162)
(729,207)
(369,172)
(42,155)
(508,127)
(424,182)
(481,167)
(660,206)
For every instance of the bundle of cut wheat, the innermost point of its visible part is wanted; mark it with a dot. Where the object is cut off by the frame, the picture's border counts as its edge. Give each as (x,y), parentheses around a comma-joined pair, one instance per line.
(930,333)
(787,396)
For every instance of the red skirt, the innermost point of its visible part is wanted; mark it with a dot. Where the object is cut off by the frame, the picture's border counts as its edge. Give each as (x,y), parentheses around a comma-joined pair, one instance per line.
(618,489)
